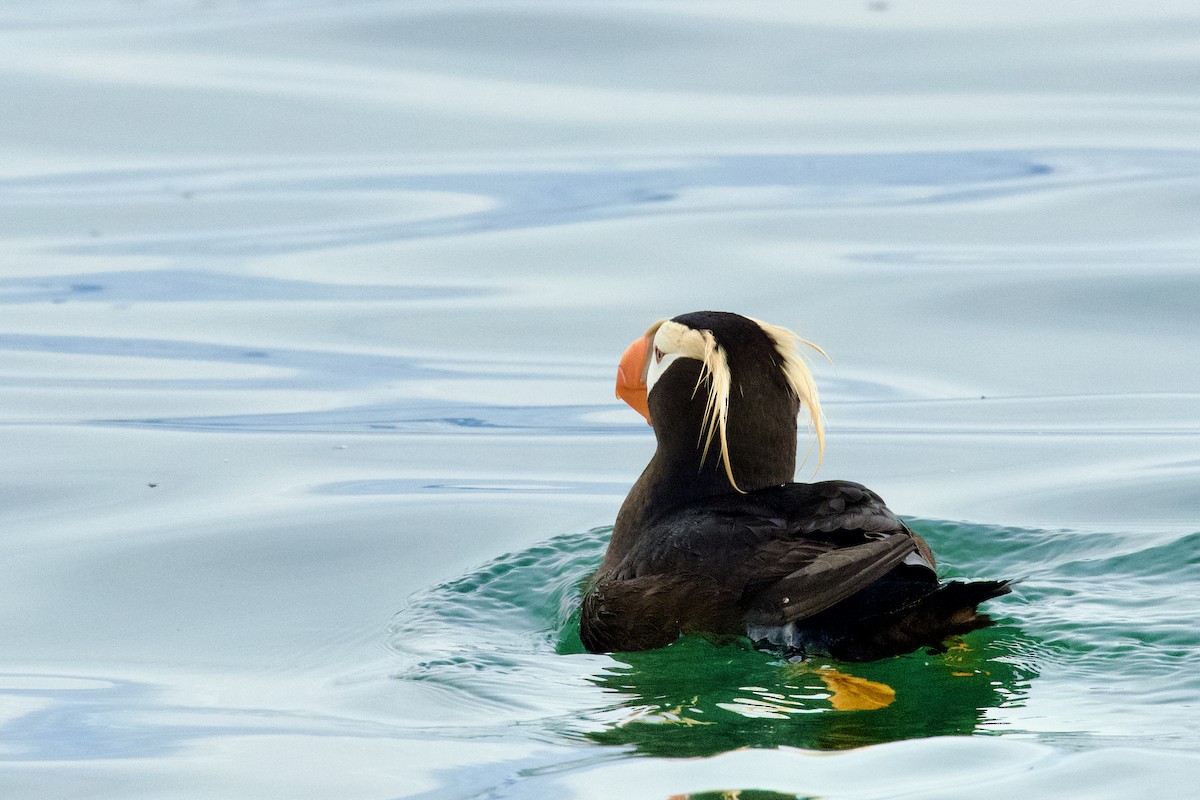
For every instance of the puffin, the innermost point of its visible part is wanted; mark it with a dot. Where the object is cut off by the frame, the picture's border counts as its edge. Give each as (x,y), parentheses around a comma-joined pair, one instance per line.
(715,538)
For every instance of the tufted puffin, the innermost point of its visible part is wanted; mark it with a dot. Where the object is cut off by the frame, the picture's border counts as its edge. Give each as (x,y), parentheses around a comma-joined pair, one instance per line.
(715,538)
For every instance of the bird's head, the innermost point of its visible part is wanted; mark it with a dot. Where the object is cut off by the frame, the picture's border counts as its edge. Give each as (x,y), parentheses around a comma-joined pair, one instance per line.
(714,377)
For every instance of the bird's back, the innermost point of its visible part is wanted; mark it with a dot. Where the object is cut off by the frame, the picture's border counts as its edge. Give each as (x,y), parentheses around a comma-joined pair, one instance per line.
(824,566)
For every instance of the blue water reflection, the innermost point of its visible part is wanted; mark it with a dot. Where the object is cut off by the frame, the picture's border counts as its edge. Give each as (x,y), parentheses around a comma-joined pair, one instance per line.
(583,190)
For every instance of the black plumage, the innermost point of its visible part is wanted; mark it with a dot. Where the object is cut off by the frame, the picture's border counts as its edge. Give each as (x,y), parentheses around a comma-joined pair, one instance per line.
(822,567)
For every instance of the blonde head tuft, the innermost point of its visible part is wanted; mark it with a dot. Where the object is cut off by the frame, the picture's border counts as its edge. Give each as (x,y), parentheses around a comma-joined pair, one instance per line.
(798,376)
(680,340)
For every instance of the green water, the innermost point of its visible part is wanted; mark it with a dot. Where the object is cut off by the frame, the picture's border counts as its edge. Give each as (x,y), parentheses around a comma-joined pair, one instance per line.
(1088,612)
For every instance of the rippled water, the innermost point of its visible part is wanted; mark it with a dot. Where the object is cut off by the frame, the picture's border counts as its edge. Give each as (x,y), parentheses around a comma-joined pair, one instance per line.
(308,319)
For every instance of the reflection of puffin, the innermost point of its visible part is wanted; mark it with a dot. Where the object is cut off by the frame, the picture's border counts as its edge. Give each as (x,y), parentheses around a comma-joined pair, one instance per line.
(715,538)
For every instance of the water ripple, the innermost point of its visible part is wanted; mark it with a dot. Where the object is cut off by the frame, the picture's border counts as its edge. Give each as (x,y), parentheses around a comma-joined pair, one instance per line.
(506,637)
(525,196)
(174,286)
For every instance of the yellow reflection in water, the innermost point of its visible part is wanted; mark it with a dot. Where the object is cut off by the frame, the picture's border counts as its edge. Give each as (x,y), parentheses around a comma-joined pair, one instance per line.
(851,693)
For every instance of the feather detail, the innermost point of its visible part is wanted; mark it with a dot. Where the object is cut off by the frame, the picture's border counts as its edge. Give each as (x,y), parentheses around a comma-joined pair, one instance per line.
(717,379)
(715,373)
(799,377)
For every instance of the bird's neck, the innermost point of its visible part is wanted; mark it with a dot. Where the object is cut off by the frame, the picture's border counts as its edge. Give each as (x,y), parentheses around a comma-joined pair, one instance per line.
(762,453)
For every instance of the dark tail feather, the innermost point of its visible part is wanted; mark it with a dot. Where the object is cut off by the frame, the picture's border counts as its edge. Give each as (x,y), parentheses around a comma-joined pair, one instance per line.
(948,611)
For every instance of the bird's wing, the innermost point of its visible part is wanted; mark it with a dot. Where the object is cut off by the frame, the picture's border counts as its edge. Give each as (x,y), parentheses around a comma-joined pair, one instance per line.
(828,579)
(784,553)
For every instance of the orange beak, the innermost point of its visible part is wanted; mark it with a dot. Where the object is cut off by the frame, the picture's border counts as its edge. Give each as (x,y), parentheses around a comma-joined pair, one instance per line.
(631,377)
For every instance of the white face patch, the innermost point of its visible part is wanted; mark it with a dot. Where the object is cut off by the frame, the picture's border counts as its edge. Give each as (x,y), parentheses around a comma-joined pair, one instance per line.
(673,341)
(658,365)
(670,342)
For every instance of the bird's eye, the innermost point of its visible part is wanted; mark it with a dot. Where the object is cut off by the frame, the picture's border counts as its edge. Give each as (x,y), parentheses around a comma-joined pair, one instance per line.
(658,355)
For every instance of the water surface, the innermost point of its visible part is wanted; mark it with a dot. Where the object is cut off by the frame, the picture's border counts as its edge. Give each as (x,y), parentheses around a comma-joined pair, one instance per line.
(308,319)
